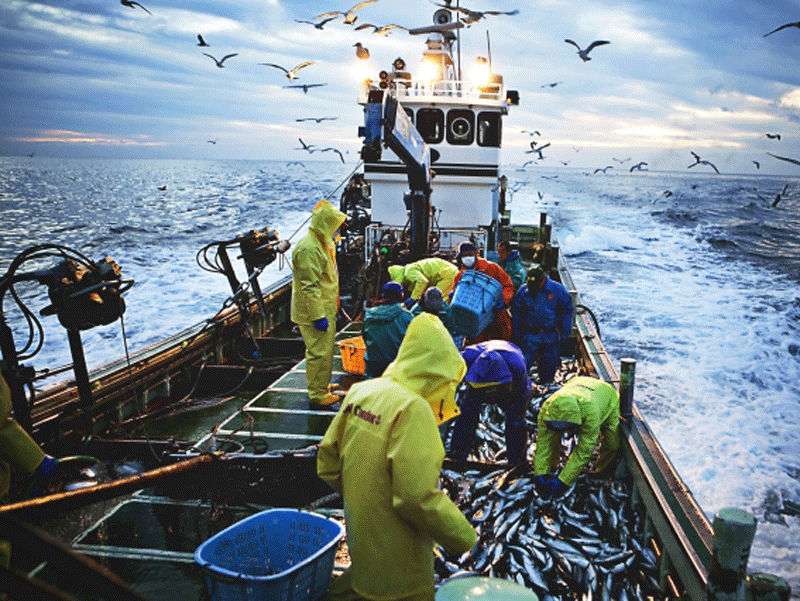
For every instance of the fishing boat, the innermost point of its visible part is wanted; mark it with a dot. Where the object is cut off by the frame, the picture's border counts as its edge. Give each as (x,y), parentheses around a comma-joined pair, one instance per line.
(216,419)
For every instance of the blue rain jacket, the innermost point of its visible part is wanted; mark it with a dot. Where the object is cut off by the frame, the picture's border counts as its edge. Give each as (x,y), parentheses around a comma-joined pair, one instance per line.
(546,309)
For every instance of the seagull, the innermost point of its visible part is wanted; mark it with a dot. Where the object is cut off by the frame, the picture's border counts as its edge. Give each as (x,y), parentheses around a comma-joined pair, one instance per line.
(584,54)
(552,85)
(667,193)
(603,169)
(350,16)
(317,119)
(773,136)
(698,161)
(305,86)
(308,147)
(290,74)
(162,188)
(319,25)
(796,24)
(201,41)
(638,167)
(788,160)
(537,150)
(381,29)
(535,132)
(621,161)
(224,58)
(757,164)
(30,156)
(214,141)
(132,4)
(780,196)
(361,52)
(336,150)
(290,163)
(473,16)
(526,163)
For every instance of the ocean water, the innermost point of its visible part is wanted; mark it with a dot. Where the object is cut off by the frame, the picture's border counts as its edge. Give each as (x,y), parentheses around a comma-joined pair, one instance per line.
(693,275)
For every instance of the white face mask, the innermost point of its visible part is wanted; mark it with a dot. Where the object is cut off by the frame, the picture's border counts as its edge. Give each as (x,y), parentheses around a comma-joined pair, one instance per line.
(468,261)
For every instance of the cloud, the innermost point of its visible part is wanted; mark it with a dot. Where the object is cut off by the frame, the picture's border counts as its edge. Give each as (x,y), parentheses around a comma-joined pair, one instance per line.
(74,137)
(791,99)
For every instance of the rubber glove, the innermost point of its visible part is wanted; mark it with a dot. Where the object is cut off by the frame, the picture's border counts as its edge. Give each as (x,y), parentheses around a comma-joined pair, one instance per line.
(409,302)
(500,303)
(548,486)
(321,324)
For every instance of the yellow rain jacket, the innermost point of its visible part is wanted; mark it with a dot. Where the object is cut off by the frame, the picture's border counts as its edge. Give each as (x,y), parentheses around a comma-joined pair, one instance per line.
(423,274)
(383,453)
(594,406)
(17,448)
(315,290)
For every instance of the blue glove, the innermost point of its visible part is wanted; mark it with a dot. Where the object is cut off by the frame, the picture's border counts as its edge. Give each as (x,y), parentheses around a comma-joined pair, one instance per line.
(321,324)
(500,303)
(409,303)
(548,486)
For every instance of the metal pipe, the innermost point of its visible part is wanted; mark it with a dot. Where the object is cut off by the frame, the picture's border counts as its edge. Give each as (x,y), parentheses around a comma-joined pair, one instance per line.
(627,380)
(734,531)
(80,369)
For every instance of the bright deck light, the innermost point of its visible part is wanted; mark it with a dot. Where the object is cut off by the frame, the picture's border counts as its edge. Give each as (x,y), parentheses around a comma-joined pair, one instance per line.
(361,70)
(480,71)
(429,71)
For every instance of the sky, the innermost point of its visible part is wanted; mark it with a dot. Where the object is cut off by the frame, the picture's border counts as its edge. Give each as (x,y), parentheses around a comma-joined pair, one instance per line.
(95,78)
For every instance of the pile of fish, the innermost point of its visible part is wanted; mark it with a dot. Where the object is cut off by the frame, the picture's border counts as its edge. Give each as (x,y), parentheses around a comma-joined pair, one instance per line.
(584,544)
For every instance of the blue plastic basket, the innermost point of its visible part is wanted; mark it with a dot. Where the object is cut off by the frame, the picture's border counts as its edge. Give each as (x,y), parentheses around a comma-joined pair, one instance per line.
(473,302)
(279,555)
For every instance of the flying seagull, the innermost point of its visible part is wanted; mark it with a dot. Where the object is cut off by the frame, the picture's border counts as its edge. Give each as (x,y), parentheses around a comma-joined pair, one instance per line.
(290,74)
(382,29)
(290,163)
(698,161)
(224,58)
(603,169)
(473,16)
(757,164)
(620,161)
(308,147)
(638,167)
(361,52)
(584,54)
(773,136)
(317,119)
(319,25)
(132,4)
(788,160)
(796,24)
(350,16)
(201,41)
(552,85)
(214,141)
(537,150)
(336,150)
(780,196)
(305,86)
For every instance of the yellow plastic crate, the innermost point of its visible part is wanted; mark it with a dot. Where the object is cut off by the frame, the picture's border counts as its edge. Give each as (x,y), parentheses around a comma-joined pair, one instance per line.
(353,350)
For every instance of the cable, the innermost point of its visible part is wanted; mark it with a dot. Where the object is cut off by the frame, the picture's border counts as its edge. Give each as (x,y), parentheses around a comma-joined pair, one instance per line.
(594,319)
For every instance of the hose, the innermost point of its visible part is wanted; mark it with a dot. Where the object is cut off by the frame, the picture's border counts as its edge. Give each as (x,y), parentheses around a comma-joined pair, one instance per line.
(594,319)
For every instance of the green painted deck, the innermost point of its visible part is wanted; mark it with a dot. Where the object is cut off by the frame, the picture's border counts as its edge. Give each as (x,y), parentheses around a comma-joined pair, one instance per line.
(280,417)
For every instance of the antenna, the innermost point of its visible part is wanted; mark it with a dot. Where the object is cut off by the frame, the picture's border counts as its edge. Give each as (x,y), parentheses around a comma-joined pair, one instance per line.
(489,50)
(458,39)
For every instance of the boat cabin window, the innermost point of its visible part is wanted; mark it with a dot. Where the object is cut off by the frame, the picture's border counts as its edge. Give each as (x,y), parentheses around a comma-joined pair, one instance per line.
(489,129)
(460,127)
(430,124)
(410,113)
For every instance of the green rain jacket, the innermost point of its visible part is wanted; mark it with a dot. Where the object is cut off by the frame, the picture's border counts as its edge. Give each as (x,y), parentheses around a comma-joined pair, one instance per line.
(315,286)
(589,402)
(17,448)
(384,329)
(423,274)
(383,453)
(515,269)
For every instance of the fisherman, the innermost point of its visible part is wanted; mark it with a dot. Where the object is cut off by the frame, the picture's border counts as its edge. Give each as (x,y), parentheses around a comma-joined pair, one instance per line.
(384,328)
(18,450)
(500,327)
(588,407)
(509,260)
(383,454)
(433,302)
(496,373)
(315,298)
(420,275)
(541,316)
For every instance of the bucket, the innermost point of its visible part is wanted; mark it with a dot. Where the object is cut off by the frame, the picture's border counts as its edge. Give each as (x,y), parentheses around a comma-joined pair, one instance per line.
(473,302)
(278,554)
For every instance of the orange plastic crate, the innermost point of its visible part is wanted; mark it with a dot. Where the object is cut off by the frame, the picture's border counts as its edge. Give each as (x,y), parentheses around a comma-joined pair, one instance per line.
(353,350)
